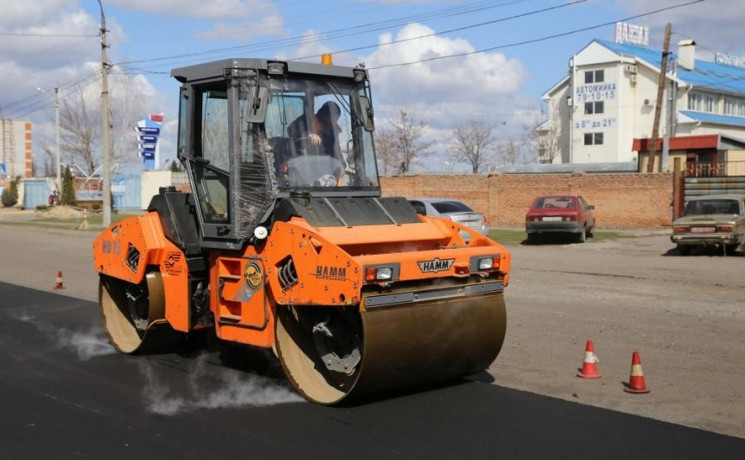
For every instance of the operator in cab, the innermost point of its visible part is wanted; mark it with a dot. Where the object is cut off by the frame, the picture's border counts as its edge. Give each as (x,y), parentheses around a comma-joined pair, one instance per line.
(323,137)
(320,142)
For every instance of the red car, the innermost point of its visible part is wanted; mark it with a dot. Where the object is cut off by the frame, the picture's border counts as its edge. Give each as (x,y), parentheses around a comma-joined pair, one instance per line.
(560,214)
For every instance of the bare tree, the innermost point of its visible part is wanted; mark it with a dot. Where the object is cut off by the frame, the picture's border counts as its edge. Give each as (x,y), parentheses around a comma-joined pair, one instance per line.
(407,135)
(79,131)
(473,142)
(509,151)
(542,136)
(80,126)
(128,108)
(385,150)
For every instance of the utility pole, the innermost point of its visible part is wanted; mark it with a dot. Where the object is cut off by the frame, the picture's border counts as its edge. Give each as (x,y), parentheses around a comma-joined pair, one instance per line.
(105,124)
(56,135)
(658,105)
(672,108)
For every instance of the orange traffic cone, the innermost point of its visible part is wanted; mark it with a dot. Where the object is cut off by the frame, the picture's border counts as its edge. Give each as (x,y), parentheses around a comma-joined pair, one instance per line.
(636,380)
(59,284)
(589,365)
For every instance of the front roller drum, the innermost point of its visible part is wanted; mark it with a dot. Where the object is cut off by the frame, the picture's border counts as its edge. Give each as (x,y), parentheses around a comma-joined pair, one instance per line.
(134,314)
(334,353)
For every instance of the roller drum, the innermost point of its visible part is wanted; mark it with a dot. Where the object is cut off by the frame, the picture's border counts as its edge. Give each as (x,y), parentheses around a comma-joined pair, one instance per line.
(134,314)
(405,345)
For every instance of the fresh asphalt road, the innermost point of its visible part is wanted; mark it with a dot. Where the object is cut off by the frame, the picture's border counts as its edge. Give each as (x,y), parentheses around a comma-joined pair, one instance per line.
(64,393)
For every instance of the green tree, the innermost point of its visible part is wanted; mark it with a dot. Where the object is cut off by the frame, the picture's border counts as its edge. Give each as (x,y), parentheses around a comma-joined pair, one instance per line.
(68,189)
(10,195)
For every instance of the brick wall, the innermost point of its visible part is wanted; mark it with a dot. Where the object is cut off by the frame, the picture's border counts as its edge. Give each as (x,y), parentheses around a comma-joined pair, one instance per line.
(622,200)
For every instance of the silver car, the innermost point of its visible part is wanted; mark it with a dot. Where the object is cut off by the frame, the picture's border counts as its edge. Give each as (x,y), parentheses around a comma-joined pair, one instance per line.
(711,220)
(453,210)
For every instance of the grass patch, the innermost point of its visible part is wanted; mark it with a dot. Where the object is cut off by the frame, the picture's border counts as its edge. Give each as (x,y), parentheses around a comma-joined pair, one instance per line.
(508,236)
(95,222)
(514,236)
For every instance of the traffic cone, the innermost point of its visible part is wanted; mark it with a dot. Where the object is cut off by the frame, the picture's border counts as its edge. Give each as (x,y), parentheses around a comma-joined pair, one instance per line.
(59,284)
(589,365)
(636,380)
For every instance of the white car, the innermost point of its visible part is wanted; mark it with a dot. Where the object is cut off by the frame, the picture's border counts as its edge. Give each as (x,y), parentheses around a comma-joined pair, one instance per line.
(711,220)
(453,210)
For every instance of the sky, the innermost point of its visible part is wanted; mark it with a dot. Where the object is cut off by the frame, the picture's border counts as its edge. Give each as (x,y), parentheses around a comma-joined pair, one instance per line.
(443,62)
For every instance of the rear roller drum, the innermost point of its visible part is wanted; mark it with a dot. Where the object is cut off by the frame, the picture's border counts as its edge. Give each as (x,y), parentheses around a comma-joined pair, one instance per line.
(134,314)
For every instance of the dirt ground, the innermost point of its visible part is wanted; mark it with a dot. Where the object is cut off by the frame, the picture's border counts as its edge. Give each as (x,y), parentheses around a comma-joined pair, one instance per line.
(684,315)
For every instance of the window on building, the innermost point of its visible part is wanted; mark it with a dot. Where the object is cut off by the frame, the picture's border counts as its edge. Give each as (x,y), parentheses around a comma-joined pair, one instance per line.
(593,138)
(702,102)
(734,106)
(594,76)
(710,104)
(594,107)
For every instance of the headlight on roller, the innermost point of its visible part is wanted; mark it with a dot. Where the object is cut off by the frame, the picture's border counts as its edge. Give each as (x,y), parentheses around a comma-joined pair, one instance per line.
(381,273)
(484,263)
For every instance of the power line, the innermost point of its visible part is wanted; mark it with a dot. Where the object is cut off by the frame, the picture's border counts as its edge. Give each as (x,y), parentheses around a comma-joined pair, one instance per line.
(336,33)
(458,29)
(9,34)
(38,104)
(127,69)
(540,39)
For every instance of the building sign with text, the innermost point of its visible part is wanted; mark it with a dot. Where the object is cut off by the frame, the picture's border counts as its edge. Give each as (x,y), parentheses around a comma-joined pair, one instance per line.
(91,190)
(595,92)
(148,132)
(632,34)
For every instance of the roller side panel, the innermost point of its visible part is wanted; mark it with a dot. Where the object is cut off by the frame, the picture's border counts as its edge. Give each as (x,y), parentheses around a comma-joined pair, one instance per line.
(241,306)
(130,248)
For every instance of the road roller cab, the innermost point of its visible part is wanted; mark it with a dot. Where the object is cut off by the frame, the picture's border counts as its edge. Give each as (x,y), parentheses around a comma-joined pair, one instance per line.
(286,242)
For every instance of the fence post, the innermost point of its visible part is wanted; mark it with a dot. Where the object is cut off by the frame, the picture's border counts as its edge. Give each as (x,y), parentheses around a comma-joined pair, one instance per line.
(678,189)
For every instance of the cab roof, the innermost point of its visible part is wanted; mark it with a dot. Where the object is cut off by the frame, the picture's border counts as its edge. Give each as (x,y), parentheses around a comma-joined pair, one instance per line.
(216,69)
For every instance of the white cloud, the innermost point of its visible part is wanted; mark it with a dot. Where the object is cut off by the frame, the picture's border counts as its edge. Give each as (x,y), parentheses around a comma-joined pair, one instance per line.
(190,8)
(446,91)
(715,25)
(241,20)
(20,15)
(58,46)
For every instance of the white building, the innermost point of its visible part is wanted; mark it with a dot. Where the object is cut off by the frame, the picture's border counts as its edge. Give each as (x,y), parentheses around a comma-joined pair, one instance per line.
(603,111)
(15,149)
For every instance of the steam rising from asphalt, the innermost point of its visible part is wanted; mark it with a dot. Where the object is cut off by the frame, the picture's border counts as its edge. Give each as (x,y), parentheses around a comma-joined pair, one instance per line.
(207,385)
(86,345)
(211,387)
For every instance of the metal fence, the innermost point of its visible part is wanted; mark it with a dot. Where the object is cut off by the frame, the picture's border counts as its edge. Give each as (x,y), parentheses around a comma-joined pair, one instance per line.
(720,169)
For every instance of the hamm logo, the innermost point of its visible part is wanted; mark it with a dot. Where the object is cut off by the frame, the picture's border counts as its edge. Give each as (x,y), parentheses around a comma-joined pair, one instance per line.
(436,265)
(326,272)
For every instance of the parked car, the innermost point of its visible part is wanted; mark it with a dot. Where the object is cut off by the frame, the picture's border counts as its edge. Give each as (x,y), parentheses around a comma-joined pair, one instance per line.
(711,220)
(453,210)
(560,214)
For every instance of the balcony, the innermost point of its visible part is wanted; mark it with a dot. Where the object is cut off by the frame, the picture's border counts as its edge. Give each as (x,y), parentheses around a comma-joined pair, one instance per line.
(719,169)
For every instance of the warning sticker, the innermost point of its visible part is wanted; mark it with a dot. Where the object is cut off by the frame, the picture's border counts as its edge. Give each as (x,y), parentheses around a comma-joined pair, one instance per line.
(254,276)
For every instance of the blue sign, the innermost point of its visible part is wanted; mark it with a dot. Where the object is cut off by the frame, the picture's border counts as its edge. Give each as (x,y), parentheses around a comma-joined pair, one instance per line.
(148,131)
(2,169)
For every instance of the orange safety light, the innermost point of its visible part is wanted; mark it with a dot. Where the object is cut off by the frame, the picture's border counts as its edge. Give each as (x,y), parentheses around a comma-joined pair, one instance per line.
(326,59)
(461,269)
